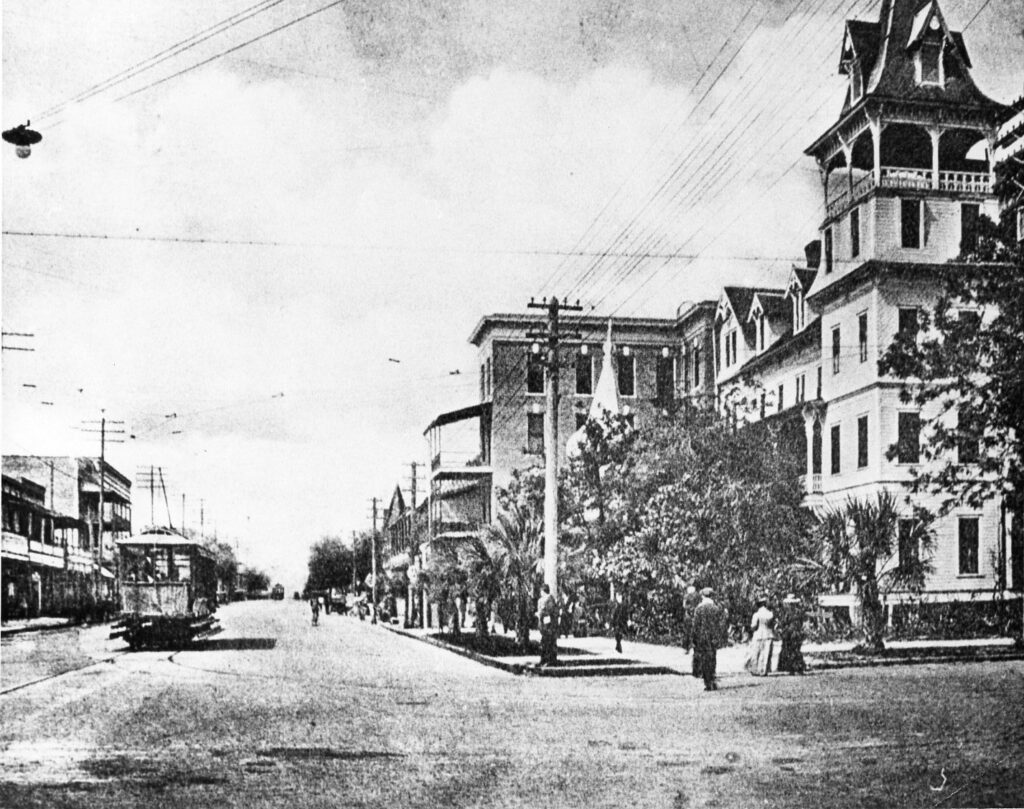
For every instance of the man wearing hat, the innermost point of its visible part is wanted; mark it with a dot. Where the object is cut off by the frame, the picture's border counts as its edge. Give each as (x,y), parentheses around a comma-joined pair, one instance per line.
(708,636)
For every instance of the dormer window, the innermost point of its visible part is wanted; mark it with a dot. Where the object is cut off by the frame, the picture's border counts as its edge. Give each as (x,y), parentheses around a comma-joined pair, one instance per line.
(856,81)
(798,310)
(760,332)
(930,62)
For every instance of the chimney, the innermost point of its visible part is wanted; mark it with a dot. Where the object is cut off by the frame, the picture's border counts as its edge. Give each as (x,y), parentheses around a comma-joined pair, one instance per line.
(812,250)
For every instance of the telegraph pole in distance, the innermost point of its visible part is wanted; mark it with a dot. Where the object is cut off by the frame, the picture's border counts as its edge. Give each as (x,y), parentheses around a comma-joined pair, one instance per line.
(373,562)
(413,555)
(551,336)
(103,422)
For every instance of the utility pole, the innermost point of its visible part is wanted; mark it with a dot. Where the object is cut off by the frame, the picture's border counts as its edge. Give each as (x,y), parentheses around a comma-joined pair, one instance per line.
(353,563)
(412,549)
(98,550)
(373,558)
(552,337)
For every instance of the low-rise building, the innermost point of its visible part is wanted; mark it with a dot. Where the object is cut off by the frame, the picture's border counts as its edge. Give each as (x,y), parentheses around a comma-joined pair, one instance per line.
(78,563)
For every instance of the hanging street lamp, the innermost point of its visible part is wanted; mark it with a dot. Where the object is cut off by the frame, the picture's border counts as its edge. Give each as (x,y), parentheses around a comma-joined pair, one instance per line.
(23,139)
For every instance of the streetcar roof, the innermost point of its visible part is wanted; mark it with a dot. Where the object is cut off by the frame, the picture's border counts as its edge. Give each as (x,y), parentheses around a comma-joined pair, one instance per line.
(161,536)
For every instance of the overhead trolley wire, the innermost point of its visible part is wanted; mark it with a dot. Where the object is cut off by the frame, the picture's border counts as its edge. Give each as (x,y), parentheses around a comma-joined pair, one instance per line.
(685,161)
(552,282)
(232,49)
(158,58)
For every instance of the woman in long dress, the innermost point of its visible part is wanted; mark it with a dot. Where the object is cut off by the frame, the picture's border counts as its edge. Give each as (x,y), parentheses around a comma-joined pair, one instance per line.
(791,627)
(762,625)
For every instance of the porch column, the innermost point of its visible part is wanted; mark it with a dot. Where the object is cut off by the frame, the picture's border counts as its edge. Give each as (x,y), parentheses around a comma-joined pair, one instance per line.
(876,148)
(809,418)
(935,134)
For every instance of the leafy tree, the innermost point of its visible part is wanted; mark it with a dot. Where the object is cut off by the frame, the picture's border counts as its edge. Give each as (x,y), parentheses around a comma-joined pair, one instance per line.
(964,369)
(330,564)
(254,581)
(445,580)
(860,544)
(507,559)
(226,565)
(688,499)
(483,577)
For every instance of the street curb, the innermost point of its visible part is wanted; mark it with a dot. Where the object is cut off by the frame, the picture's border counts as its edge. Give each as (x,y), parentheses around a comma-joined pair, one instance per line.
(511,668)
(819,664)
(533,670)
(20,630)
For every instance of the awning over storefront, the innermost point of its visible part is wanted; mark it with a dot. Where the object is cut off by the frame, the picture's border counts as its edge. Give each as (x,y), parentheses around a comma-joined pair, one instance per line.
(46,560)
(106,573)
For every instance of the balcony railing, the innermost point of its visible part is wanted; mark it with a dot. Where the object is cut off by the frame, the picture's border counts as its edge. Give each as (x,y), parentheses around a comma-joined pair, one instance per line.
(452,459)
(815,487)
(895,177)
(457,527)
(972,182)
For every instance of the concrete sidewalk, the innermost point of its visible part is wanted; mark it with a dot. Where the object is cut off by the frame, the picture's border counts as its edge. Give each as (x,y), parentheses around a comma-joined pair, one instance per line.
(637,657)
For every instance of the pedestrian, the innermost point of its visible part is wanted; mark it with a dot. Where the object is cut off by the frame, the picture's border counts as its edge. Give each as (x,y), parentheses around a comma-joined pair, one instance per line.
(314,604)
(579,618)
(619,620)
(690,601)
(547,620)
(791,628)
(708,636)
(565,615)
(762,625)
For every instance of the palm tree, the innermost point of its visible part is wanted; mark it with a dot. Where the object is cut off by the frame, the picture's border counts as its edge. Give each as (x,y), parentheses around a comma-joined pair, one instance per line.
(861,543)
(513,545)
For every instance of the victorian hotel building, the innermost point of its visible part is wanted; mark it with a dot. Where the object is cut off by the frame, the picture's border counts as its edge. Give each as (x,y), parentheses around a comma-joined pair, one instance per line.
(906,171)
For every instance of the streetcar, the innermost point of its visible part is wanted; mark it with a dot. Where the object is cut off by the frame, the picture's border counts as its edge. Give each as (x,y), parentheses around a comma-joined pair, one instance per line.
(168,586)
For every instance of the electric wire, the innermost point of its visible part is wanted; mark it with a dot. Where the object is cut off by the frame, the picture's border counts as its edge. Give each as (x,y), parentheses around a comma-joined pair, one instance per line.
(158,58)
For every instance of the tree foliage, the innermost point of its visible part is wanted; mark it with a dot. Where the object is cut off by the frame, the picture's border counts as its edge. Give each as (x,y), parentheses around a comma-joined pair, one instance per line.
(688,499)
(964,370)
(506,560)
(860,553)
(253,580)
(331,562)
(226,564)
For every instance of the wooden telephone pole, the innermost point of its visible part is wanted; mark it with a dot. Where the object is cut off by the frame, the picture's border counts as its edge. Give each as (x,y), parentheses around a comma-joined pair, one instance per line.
(551,336)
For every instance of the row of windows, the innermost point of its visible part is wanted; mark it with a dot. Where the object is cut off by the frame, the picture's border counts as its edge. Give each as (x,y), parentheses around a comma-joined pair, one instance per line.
(907,323)
(535,430)
(912,232)
(625,375)
(968,545)
(908,441)
(800,393)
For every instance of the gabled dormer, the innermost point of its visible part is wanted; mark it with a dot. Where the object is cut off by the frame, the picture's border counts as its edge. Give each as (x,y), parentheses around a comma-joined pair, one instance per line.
(799,283)
(735,333)
(769,318)
(858,55)
(935,49)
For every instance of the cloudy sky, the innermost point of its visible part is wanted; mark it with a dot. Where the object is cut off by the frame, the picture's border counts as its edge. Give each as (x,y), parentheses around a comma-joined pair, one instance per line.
(242,213)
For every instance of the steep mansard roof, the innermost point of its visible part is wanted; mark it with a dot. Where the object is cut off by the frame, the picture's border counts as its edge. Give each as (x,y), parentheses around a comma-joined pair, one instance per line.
(886,52)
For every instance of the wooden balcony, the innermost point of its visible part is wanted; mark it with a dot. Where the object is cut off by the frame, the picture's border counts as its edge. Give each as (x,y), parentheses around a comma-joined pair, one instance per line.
(966,182)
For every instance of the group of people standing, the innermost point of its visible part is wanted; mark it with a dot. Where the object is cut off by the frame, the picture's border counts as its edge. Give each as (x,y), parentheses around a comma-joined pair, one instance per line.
(766,628)
(705,631)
